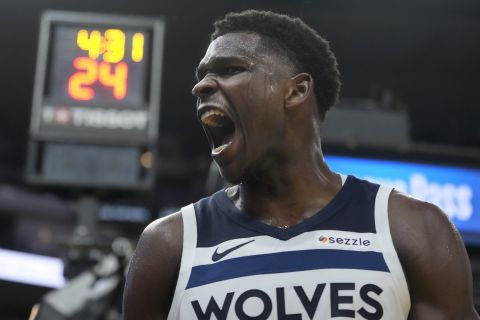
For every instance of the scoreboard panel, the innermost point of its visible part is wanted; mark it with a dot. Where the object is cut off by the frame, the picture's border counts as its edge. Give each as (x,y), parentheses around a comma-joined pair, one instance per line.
(99,66)
(98,78)
(96,101)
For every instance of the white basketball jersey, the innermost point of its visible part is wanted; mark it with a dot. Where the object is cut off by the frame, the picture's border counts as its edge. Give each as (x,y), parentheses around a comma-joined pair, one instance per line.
(338,264)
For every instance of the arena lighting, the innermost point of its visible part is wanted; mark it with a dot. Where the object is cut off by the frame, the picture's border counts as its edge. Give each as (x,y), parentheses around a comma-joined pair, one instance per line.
(454,189)
(96,100)
(32,269)
(88,296)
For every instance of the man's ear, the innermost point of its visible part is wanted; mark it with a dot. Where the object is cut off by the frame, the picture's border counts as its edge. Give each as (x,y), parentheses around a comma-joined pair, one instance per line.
(301,87)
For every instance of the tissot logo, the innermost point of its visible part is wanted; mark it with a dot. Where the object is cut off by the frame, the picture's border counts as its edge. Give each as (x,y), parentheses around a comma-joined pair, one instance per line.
(357,241)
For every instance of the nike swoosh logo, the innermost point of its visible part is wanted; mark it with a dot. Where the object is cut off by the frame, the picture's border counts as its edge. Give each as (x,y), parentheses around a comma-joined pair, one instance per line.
(219,255)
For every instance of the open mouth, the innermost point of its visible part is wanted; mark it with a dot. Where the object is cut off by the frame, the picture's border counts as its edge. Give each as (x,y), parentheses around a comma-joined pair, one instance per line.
(219,127)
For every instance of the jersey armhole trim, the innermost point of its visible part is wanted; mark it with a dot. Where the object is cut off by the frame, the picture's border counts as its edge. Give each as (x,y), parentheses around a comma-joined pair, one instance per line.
(392,260)
(188,254)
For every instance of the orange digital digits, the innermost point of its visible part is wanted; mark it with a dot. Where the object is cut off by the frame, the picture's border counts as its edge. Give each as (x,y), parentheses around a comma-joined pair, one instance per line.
(116,79)
(89,72)
(79,81)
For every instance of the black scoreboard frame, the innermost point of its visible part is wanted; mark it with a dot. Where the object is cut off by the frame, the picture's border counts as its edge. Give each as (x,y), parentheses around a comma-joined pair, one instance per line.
(142,142)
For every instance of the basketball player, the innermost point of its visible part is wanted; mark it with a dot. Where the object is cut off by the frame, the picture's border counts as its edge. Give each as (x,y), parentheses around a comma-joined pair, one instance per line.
(291,239)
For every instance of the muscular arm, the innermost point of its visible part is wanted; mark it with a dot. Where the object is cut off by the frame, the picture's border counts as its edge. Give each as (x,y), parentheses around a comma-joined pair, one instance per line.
(153,270)
(434,259)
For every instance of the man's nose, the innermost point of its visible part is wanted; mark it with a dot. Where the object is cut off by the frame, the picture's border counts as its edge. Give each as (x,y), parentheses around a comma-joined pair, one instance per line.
(205,87)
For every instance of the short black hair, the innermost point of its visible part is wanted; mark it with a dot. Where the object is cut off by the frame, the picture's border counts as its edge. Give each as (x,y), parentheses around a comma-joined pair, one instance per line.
(303,46)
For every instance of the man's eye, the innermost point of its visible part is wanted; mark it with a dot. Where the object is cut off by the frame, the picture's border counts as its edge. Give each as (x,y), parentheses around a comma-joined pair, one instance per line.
(233,70)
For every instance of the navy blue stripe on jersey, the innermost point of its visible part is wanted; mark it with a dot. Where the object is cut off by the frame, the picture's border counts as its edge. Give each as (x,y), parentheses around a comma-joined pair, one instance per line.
(290,261)
(352,209)
(216,226)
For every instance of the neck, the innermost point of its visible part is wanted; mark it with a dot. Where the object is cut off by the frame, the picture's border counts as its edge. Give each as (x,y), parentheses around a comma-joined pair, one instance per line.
(289,191)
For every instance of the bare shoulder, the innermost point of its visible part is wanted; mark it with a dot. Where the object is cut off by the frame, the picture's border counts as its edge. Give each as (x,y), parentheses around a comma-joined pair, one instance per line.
(419,227)
(434,259)
(154,269)
(167,232)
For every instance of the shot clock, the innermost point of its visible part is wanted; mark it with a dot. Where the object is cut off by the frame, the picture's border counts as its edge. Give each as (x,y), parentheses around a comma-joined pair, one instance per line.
(97,85)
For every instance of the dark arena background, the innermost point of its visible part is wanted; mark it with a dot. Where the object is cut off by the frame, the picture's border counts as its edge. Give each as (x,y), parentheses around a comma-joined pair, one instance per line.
(82,175)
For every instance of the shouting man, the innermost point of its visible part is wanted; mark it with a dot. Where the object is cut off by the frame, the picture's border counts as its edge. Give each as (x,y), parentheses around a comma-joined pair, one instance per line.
(291,239)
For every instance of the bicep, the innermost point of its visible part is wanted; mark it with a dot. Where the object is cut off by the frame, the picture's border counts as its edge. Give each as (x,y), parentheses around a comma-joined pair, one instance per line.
(436,264)
(441,282)
(153,271)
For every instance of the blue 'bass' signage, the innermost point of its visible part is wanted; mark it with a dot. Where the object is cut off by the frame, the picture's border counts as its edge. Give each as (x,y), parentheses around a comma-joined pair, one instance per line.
(456,190)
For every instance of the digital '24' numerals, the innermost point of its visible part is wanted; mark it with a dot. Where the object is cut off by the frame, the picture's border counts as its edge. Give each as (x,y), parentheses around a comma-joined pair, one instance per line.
(111,72)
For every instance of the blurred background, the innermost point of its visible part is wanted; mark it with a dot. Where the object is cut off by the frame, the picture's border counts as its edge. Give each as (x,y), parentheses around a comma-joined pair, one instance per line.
(77,188)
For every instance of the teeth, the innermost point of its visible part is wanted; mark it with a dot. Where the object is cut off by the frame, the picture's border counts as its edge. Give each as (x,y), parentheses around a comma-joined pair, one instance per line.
(206,118)
(219,149)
